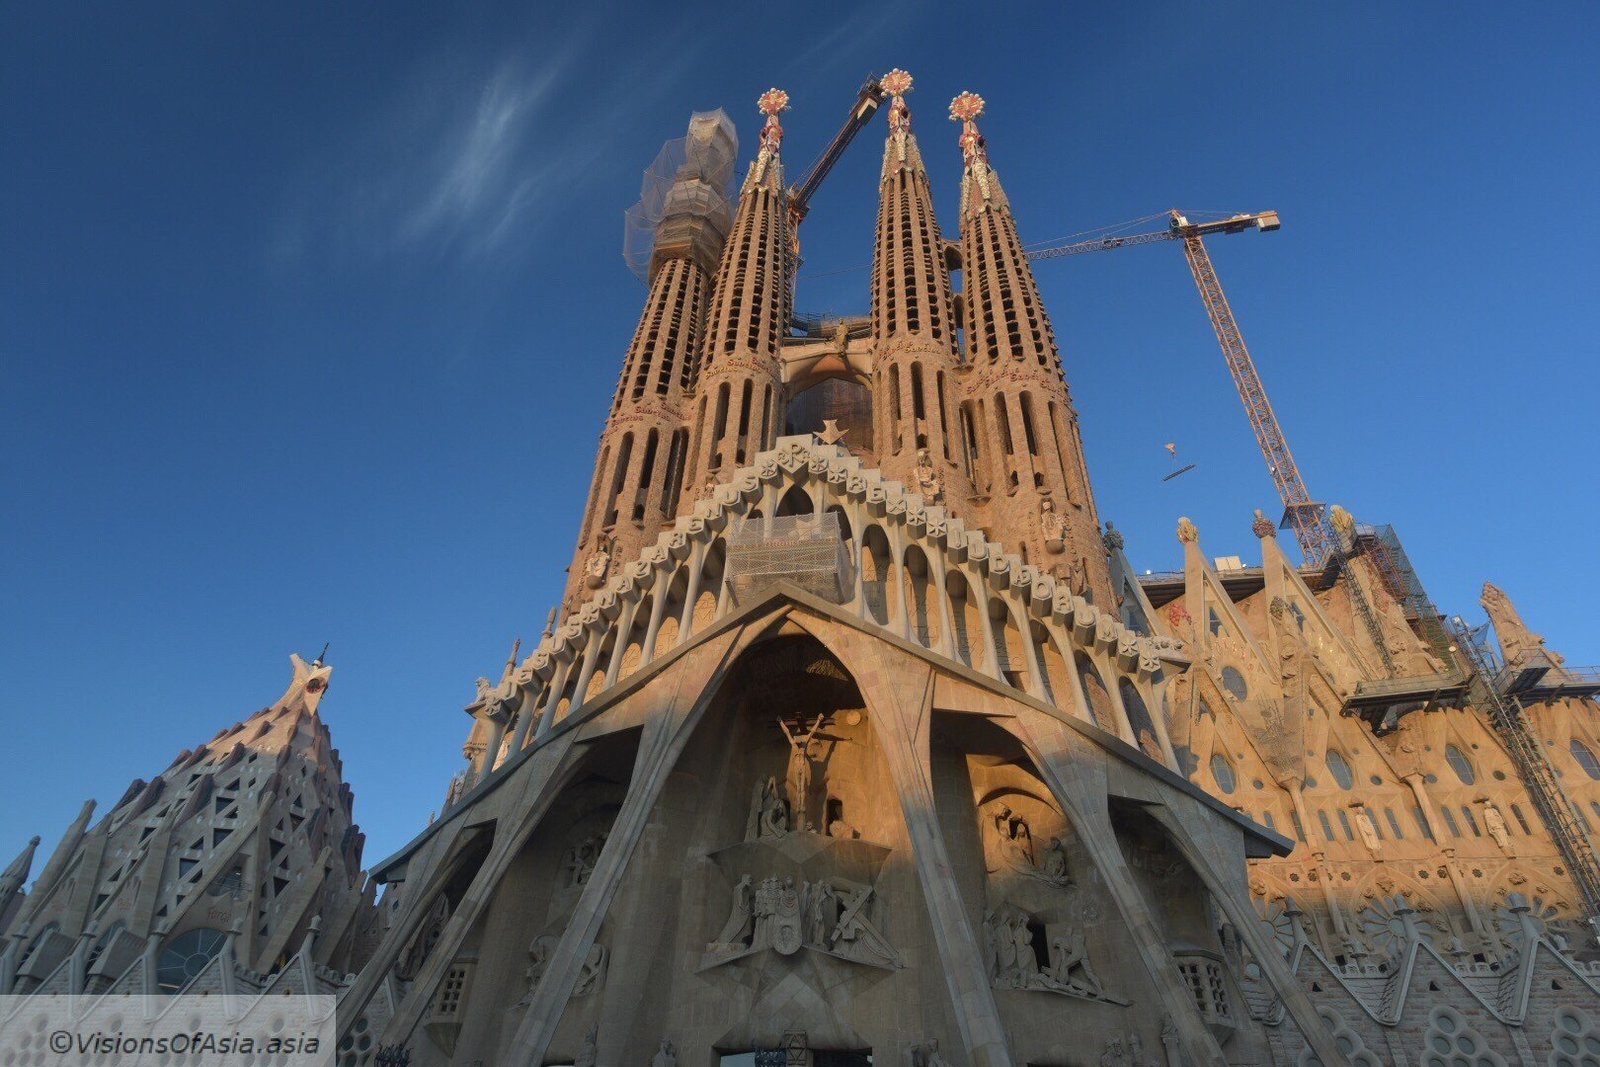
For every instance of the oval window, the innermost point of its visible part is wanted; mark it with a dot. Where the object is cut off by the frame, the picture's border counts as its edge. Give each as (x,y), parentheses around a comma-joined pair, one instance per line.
(1340,769)
(1233,682)
(1459,763)
(1222,771)
(1586,759)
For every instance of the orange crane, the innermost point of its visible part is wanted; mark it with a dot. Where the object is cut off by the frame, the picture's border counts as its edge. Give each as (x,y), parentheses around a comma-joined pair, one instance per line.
(1302,514)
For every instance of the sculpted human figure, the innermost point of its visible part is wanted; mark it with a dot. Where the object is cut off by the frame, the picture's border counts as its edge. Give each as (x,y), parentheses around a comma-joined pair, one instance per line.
(1053,864)
(1052,526)
(1027,959)
(928,481)
(737,930)
(593,974)
(599,562)
(587,1053)
(1071,967)
(1495,823)
(1369,833)
(822,910)
(766,908)
(798,777)
(774,813)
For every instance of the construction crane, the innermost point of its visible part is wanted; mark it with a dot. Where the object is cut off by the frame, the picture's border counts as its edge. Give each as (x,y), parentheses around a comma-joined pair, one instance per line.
(1300,513)
(867,103)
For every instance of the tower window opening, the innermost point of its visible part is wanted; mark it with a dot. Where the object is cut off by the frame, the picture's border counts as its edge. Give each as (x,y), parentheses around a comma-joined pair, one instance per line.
(894,406)
(1522,820)
(944,430)
(618,478)
(1460,764)
(646,470)
(674,480)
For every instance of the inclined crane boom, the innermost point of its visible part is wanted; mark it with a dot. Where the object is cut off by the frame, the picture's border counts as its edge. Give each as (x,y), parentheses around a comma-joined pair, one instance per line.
(866,106)
(1300,513)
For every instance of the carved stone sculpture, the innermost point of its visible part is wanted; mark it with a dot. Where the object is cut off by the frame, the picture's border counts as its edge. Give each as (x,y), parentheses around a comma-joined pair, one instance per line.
(539,958)
(855,936)
(1188,532)
(929,484)
(666,1056)
(587,1053)
(798,777)
(769,815)
(593,974)
(1495,823)
(580,859)
(1053,863)
(598,565)
(1369,833)
(1052,526)
(1012,841)
(1070,965)
(737,931)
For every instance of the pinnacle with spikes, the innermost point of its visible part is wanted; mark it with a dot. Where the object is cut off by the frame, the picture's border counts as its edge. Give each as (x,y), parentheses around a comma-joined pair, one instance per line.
(897,83)
(965,109)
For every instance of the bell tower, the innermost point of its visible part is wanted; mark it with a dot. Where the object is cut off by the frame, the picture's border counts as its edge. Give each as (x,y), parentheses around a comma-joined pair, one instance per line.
(739,382)
(914,325)
(638,476)
(1020,429)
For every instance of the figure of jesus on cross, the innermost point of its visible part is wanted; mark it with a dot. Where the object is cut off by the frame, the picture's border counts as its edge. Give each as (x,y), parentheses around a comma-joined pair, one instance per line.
(798,777)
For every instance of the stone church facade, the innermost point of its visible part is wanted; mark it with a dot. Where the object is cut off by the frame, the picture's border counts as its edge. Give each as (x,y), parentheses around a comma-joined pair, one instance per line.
(858,740)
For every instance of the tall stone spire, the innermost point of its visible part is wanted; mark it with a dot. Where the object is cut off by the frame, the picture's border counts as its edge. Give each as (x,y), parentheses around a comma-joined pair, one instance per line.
(740,384)
(1021,431)
(914,327)
(639,472)
(12,879)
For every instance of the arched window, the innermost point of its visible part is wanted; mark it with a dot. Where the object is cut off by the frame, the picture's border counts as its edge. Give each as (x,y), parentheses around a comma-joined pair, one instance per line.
(1458,763)
(186,956)
(1586,758)
(1233,682)
(1222,771)
(1340,769)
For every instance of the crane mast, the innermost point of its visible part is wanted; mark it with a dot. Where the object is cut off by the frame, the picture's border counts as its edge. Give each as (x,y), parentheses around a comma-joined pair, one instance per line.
(1301,514)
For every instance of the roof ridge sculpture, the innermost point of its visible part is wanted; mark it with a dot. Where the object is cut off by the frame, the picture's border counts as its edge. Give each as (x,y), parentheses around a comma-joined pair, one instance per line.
(711,513)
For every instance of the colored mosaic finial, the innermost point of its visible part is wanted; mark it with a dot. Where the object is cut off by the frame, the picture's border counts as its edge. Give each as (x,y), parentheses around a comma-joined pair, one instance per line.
(965,109)
(897,83)
(771,103)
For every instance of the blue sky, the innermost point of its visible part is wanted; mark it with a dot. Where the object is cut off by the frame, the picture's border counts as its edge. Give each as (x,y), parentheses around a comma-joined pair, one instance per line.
(310,316)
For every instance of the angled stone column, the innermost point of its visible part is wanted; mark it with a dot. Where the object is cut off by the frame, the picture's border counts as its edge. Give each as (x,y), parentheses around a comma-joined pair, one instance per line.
(665,734)
(1206,847)
(1077,780)
(541,783)
(899,695)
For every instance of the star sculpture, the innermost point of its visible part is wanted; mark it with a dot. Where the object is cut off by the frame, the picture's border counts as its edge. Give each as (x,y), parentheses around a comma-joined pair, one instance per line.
(830,434)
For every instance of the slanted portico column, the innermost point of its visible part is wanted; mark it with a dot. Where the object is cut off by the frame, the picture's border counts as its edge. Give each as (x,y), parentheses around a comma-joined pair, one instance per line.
(899,697)
(591,658)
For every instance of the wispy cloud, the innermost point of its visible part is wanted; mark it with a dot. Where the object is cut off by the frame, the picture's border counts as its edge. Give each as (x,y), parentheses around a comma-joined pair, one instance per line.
(466,165)
(472,188)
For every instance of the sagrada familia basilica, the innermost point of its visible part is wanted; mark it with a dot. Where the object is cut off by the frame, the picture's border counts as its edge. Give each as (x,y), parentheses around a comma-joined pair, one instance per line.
(858,739)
